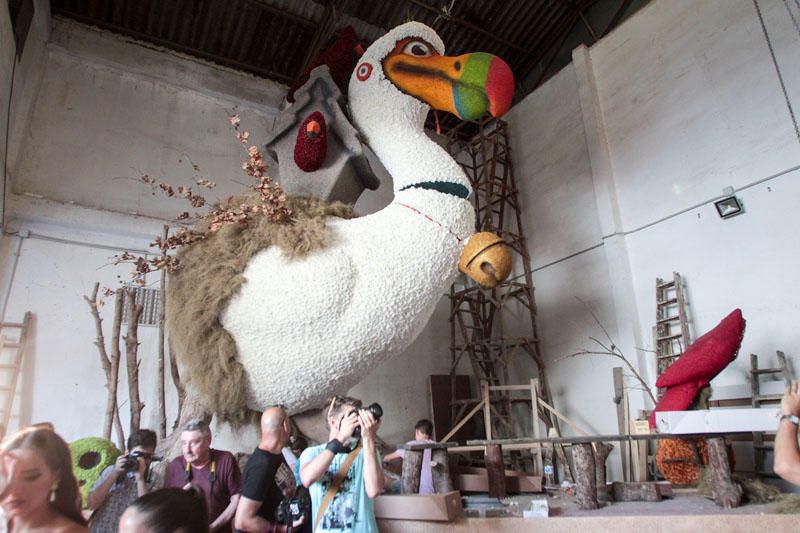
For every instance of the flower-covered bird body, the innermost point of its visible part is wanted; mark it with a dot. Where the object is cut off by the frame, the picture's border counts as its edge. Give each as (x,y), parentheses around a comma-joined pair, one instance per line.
(310,327)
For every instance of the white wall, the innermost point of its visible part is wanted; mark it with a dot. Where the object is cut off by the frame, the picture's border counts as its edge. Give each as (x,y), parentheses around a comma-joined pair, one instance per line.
(619,158)
(108,108)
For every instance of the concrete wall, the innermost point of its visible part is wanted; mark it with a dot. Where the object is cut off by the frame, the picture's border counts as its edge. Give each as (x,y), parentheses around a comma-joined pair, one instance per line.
(20,79)
(109,110)
(619,159)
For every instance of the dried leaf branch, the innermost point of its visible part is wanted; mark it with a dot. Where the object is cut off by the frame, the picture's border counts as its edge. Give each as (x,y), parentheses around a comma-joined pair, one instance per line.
(272,205)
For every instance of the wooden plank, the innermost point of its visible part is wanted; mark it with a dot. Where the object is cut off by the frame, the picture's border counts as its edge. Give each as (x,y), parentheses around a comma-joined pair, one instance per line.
(509,388)
(639,450)
(487,410)
(622,426)
(480,447)
(566,420)
(463,421)
(734,420)
(537,451)
(444,507)
(474,479)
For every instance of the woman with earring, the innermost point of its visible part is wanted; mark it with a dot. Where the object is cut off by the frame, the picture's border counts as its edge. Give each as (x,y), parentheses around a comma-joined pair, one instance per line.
(37,488)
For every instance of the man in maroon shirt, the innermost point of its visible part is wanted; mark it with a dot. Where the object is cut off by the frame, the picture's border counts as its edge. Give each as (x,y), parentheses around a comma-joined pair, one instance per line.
(215,472)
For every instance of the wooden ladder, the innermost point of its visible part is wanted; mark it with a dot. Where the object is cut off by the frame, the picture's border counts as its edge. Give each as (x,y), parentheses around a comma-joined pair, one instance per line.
(18,343)
(761,448)
(671,332)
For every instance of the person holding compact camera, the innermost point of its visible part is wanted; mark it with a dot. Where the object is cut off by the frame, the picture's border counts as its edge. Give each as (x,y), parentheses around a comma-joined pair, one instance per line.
(345,475)
(269,493)
(121,483)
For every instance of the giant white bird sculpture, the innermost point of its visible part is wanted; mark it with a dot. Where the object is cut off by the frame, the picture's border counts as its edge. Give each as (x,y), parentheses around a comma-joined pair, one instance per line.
(308,328)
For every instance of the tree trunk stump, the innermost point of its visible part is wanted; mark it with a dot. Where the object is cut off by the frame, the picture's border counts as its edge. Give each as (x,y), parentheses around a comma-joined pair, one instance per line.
(726,492)
(412,471)
(601,452)
(585,478)
(442,482)
(496,471)
(636,492)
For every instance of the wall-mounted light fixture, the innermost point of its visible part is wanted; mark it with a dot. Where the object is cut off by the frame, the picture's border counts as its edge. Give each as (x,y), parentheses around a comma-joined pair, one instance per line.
(729,207)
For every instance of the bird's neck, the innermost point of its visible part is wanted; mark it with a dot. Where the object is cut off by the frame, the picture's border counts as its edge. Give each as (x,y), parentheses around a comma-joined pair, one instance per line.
(410,156)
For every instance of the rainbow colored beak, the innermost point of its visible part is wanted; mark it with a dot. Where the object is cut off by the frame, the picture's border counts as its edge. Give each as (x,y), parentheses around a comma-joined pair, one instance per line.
(469,86)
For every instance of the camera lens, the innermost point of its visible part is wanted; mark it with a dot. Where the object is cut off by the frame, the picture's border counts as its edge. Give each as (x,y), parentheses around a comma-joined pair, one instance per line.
(376,410)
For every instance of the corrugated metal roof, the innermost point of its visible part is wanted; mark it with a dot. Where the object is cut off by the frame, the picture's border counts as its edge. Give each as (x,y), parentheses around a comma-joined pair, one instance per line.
(278,38)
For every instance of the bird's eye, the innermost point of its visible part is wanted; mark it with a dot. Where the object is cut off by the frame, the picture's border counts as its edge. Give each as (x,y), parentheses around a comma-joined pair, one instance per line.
(363,71)
(417,48)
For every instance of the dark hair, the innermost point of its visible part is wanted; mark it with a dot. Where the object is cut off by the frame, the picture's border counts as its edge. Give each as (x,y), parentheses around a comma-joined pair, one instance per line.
(146,438)
(425,426)
(297,444)
(55,453)
(336,404)
(173,509)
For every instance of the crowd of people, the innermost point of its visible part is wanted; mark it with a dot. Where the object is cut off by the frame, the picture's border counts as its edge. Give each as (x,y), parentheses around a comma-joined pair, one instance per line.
(283,487)
(330,487)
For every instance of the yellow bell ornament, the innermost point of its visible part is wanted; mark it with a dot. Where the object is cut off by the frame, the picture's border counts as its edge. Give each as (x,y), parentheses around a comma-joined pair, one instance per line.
(486,258)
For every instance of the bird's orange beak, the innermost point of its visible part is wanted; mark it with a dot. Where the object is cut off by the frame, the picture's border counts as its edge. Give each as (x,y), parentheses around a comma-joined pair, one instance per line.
(468,86)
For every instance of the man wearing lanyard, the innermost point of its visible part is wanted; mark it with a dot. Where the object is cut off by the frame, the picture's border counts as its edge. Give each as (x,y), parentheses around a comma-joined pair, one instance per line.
(214,472)
(344,475)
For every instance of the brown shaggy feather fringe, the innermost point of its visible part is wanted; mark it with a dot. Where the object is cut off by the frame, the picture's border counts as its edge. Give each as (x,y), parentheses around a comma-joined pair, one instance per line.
(210,274)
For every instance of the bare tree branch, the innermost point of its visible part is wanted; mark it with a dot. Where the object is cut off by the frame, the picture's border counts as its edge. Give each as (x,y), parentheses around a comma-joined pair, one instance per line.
(131,350)
(611,350)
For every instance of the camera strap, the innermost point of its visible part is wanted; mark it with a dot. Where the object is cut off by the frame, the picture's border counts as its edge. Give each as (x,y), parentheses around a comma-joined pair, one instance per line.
(337,482)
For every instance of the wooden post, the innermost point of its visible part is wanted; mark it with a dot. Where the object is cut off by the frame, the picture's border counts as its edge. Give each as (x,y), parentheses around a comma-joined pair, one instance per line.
(412,471)
(585,478)
(619,396)
(496,470)
(131,352)
(726,492)
(536,451)
(440,470)
(162,408)
(601,451)
(487,410)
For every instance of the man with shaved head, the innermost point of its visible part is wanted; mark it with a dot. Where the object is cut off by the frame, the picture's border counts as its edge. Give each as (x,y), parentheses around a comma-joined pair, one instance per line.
(267,477)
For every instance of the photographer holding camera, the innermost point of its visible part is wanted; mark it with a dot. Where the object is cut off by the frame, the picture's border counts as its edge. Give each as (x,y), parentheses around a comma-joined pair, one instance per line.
(345,475)
(268,492)
(121,483)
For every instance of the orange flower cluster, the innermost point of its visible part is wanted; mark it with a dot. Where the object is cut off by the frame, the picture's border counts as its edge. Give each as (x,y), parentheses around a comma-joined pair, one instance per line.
(676,460)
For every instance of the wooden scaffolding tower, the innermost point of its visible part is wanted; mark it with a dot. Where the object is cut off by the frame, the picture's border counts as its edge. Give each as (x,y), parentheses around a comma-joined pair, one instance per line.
(477,314)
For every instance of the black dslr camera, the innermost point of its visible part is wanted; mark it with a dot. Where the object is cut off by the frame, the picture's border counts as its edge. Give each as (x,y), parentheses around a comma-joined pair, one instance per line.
(377,412)
(291,509)
(132,461)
